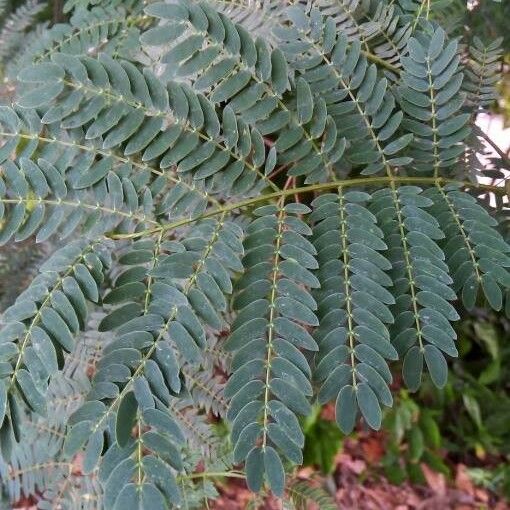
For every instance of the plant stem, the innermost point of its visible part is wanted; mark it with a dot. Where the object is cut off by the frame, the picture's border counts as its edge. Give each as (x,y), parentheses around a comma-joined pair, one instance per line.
(493,144)
(379,61)
(359,181)
(212,474)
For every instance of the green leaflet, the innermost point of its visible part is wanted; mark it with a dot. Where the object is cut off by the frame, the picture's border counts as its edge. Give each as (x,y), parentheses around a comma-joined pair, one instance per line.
(126,417)
(422,278)
(430,99)
(273,238)
(274,471)
(346,282)
(160,330)
(362,107)
(476,253)
(252,79)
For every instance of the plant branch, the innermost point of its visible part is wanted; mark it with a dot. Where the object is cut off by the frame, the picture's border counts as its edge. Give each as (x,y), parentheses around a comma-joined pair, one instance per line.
(493,144)
(379,61)
(360,181)
(212,474)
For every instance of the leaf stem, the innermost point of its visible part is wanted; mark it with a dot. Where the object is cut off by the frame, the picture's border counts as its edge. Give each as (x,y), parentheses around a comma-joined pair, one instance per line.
(493,144)
(212,474)
(347,283)
(359,181)
(381,62)
(271,328)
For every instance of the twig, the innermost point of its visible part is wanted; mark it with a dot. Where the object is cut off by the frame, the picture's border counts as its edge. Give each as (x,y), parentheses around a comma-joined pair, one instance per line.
(498,150)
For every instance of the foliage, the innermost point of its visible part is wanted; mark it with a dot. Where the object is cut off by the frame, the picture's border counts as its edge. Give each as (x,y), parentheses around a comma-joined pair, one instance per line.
(268,205)
(322,442)
(15,26)
(414,438)
(467,419)
(479,388)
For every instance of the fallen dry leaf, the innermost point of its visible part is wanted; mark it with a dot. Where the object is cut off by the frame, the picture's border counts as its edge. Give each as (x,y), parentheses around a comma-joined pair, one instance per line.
(373,449)
(357,466)
(463,481)
(436,481)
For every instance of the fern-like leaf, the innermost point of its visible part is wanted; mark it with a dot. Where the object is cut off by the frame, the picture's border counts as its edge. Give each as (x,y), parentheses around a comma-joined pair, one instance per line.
(353,342)
(15,27)
(422,281)
(359,101)
(482,73)
(41,325)
(253,79)
(270,380)
(476,252)
(431,100)
(302,494)
(139,373)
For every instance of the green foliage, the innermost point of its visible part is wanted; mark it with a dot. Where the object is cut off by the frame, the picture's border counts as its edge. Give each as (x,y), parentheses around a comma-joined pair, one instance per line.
(18,265)
(322,441)
(265,214)
(414,438)
(467,420)
(483,72)
(15,26)
(481,377)
(302,494)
